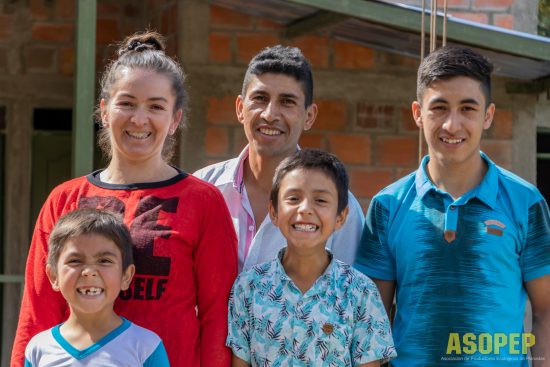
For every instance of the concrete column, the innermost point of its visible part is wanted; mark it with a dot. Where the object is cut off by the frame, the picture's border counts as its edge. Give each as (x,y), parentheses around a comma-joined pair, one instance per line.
(193,21)
(525,138)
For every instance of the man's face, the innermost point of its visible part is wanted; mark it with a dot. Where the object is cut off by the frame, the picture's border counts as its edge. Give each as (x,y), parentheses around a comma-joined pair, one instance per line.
(453,114)
(274,115)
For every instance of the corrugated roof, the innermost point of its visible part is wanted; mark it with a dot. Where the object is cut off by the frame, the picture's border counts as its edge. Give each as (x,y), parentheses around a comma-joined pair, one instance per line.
(396,28)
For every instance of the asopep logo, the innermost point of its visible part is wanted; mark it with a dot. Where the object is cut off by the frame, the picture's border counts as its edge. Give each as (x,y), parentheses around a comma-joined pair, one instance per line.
(485,343)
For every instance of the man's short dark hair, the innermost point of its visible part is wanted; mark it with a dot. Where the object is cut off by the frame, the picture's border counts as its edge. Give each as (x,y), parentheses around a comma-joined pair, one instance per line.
(452,61)
(86,221)
(282,60)
(313,159)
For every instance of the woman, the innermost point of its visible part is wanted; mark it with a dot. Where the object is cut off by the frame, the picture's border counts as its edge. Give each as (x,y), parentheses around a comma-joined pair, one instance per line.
(184,241)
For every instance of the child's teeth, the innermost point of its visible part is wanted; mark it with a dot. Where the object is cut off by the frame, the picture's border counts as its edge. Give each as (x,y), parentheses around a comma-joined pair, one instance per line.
(91,291)
(305,227)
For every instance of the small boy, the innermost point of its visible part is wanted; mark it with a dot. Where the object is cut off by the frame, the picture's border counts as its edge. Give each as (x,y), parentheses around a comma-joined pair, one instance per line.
(90,261)
(306,308)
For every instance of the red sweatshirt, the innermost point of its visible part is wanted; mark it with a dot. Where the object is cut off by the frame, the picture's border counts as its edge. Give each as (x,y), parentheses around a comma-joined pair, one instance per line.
(185,251)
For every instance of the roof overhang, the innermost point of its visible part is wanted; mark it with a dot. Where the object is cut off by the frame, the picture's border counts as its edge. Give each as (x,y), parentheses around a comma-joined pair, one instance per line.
(396,28)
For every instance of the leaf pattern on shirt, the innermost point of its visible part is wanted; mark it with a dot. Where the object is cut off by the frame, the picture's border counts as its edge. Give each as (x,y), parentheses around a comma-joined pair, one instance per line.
(340,321)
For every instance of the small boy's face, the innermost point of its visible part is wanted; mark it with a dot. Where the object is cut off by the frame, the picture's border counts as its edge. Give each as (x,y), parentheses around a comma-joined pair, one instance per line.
(89,274)
(307,208)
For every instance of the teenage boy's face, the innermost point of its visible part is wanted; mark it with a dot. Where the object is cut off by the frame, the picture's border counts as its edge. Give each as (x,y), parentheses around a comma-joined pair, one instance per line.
(90,275)
(453,114)
(274,115)
(307,209)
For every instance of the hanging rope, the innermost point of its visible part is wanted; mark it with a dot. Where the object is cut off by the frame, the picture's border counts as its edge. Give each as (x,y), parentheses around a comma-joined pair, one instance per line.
(433,45)
(433,23)
(444,40)
(423,32)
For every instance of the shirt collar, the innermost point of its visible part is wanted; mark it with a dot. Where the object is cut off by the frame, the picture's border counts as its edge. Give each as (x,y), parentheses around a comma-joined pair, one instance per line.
(235,172)
(486,191)
(488,188)
(321,284)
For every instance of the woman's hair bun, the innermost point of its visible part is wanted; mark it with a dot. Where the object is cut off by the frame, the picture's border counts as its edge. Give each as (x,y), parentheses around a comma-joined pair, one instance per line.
(139,42)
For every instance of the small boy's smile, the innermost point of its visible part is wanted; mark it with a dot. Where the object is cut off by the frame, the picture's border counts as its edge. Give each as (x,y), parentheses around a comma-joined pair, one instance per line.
(90,291)
(305,227)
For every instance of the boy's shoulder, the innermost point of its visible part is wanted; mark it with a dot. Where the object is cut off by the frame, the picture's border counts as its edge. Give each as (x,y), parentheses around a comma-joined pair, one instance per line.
(42,339)
(42,344)
(260,273)
(352,279)
(142,335)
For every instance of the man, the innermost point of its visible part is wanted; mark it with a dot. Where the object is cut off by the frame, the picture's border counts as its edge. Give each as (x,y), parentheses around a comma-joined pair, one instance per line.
(461,241)
(275,107)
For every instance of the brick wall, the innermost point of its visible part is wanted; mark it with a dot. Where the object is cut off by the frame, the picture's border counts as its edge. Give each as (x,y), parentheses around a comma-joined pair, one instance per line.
(508,14)
(368,126)
(50,46)
(47,44)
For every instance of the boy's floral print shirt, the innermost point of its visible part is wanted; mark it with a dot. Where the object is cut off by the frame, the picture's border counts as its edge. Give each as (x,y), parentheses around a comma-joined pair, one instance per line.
(339,321)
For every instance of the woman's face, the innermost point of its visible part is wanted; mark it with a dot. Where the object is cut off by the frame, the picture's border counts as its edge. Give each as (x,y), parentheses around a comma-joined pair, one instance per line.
(139,115)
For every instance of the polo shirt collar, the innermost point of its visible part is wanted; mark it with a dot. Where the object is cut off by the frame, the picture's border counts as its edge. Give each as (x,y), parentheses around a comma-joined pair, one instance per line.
(486,191)
(488,188)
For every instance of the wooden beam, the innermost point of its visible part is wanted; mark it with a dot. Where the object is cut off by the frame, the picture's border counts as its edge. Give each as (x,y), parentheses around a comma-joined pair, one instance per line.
(84,90)
(312,23)
(534,87)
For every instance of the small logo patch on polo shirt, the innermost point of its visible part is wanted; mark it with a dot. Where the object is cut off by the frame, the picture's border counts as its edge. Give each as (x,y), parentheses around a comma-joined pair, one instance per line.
(449,235)
(494,227)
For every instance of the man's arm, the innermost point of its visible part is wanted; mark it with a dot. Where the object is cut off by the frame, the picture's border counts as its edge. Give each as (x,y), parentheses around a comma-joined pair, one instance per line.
(539,294)
(387,293)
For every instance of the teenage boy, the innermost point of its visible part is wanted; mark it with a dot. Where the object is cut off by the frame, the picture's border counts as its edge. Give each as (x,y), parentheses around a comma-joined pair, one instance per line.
(462,241)
(275,107)
(305,308)
(90,261)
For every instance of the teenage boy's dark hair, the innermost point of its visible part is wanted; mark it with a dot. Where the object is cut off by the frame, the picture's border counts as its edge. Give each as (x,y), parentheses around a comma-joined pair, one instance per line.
(282,60)
(313,159)
(90,221)
(451,61)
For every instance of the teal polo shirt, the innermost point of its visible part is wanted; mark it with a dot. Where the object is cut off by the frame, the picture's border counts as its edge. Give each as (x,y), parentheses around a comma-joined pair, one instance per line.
(460,266)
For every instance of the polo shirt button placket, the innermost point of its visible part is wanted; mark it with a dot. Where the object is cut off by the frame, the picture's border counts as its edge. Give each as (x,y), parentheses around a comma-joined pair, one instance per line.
(451,219)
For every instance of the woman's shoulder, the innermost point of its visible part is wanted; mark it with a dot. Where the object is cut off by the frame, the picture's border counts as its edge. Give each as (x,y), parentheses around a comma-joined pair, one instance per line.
(66,189)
